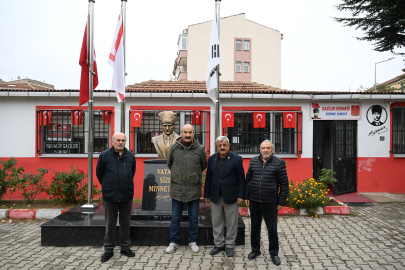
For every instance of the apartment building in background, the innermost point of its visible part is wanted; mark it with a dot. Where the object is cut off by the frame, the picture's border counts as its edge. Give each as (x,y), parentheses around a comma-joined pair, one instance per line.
(250,52)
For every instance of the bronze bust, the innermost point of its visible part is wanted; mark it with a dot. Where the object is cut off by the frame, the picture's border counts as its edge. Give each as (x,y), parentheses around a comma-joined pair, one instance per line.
(168,137)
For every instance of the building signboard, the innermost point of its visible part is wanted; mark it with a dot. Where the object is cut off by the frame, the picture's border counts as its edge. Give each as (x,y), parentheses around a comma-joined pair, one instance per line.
(335,111)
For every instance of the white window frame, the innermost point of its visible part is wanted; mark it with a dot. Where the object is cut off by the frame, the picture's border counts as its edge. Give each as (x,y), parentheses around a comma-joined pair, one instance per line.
(238,44)
(238,67)
(246,42)
(246,65)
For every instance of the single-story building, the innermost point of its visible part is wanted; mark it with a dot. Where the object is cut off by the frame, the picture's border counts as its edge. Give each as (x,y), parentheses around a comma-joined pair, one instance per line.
(359,135)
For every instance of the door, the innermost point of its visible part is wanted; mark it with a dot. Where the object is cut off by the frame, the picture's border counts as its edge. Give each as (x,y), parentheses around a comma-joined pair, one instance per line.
(318,142)
(345,156)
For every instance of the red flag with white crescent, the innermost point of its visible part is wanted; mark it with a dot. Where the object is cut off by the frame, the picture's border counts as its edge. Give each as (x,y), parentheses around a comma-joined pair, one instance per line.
(289,120)
(136,118)
(46,118)
(259,119)
(106,116)
(84,78)
(228,119)
(197,118)
(116,60)
(77,118)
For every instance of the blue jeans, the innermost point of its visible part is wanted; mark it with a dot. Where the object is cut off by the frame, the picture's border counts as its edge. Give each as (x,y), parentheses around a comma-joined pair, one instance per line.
(177,209)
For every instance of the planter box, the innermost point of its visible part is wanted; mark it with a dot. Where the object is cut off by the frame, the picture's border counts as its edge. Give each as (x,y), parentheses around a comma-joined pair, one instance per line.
(341,210)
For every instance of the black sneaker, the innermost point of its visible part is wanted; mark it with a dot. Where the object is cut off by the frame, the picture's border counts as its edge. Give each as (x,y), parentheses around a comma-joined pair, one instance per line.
(276,260)
(127,252)
(229,252)
(106,256)
(252,255)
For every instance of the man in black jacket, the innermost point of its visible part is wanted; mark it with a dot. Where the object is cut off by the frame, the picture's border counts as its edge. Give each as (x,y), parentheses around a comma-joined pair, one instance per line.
(225,186)
(115,172)
(266,193)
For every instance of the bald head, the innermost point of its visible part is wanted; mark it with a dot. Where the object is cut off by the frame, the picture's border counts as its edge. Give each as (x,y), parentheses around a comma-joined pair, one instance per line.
(187,133)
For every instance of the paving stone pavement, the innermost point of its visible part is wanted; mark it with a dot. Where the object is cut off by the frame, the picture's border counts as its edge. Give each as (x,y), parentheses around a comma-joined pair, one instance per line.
(372,238)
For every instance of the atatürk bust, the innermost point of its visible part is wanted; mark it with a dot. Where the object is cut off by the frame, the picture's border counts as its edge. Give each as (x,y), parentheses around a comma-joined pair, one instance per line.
(168,137)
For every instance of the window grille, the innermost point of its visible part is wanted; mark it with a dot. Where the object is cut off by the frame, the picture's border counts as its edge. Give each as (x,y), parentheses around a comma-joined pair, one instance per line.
(56,134)
(398,130)
(245,139)
(141,137)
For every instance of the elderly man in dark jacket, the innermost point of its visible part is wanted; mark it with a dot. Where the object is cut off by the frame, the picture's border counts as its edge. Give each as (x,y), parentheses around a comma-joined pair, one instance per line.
(115,172)
(186,160)
(266,193)
(225,186)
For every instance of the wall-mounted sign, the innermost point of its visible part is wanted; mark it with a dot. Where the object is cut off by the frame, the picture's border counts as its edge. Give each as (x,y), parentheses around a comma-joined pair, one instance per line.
(335,111)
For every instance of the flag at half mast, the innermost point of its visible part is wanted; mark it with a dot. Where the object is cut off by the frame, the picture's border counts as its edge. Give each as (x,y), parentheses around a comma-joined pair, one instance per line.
(116,60)
(214,59)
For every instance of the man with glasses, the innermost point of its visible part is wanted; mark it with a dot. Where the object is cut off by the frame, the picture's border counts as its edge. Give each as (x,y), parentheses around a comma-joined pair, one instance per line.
(115,172)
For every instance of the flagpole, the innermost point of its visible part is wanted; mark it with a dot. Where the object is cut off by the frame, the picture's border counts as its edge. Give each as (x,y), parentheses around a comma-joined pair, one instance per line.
(123,11)
(217,120)
(90,29)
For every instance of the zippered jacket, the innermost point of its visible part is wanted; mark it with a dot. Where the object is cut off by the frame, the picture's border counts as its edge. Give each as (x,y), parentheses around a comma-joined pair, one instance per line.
(267,182)
(186,165)
(116,175)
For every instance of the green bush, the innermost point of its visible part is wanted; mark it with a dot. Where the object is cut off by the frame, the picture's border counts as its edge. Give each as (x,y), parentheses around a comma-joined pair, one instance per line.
(327,177)
(9,174)
(69,186)
(32,184)
(309,195)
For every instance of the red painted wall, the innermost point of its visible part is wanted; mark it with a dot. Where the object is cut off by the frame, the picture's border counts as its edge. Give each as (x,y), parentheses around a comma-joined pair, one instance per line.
(381,174)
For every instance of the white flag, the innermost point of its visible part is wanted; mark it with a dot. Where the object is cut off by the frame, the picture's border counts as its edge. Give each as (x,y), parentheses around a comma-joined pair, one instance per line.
(214,59)
(116,60)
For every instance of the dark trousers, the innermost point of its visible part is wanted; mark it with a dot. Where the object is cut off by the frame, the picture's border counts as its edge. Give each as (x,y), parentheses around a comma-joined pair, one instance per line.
(111,210)
(269,212)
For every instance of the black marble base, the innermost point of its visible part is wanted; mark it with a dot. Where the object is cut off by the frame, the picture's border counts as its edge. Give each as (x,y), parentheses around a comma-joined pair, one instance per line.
(148,228)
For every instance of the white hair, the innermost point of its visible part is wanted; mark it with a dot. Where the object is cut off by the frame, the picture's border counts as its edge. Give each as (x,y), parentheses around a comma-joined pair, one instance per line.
(113,137)
(220,139)
(267,141)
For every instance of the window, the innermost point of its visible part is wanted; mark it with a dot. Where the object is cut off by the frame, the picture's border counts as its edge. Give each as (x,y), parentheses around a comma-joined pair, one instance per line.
(398,130)
(245,139)
(182,44)
(141,137)
(246,45)
(238,66)
(66,132)
(238,45)
(246,67)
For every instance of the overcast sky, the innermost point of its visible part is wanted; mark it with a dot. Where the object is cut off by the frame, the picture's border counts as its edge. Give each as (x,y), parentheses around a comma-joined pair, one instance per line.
(41,40)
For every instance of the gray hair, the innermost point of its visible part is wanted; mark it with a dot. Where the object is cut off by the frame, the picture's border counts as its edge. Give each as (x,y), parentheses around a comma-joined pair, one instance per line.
(181,130)
(113,138)
(220,139)
(267,141)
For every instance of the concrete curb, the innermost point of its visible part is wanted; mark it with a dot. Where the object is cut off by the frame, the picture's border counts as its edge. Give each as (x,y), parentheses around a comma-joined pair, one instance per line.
(3,213)
(22,213)
(47,213)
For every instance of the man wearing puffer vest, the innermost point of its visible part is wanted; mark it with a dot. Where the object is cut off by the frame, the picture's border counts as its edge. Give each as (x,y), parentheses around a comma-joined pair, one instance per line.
(266,193)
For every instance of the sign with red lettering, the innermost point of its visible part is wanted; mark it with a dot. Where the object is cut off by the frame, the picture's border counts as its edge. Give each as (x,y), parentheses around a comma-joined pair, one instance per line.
(335,111)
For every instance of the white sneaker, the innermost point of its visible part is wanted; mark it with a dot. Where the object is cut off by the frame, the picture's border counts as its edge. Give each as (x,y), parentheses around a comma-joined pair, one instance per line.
(194,247)
(172,247)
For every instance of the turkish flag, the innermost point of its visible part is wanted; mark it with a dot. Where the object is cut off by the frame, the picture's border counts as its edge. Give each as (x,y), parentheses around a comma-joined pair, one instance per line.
(106,116)
(289,119)
(136,118)
(197,118)
(77,118)
(84,78)
(46,118)
(259,119)
(228,119)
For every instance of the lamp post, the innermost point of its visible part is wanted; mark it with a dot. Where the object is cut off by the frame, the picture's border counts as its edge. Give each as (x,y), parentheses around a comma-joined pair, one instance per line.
(375,73)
